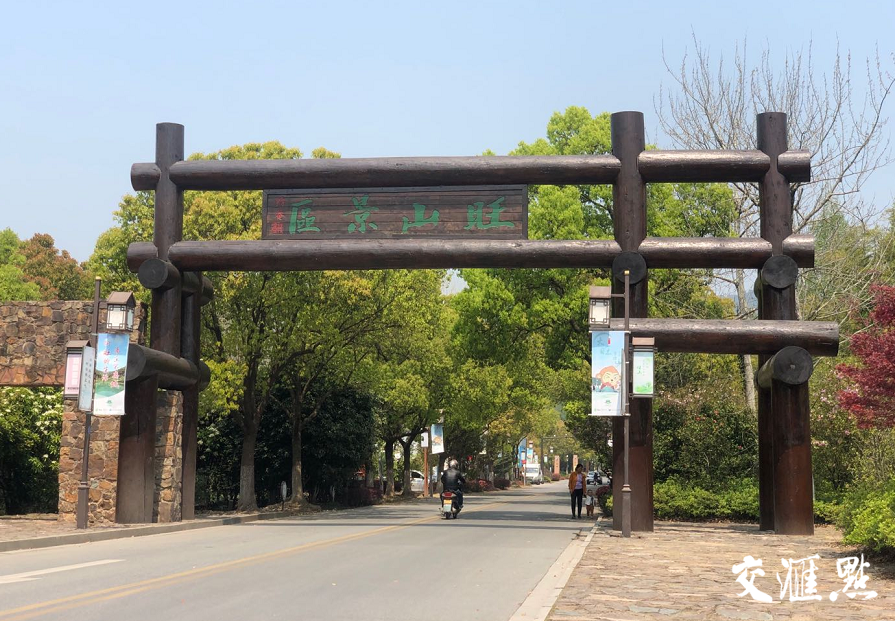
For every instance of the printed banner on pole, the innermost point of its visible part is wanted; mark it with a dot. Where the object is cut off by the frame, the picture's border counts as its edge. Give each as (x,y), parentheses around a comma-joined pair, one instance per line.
(88,364)
(642,373)
(424,439)
(437,439)
(109,378)
(607,373)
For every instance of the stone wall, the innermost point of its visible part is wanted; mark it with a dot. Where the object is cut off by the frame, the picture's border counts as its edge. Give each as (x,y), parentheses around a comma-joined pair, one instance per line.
(33,337)
(102,468)
(167,505)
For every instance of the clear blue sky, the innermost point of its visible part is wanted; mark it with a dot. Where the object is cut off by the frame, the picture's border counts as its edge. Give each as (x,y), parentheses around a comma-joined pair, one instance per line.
(84,83)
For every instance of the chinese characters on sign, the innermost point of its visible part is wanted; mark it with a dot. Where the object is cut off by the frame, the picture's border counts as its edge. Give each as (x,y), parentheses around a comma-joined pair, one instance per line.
(607,373)
(109,378)
(85,391)
(491,212)
(799,581)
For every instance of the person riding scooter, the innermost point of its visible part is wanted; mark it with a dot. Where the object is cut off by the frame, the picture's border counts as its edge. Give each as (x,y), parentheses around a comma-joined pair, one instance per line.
(452,481)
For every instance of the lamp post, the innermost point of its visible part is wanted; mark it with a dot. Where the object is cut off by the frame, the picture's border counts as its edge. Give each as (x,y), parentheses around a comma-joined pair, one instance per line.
(84,485)
(599,319)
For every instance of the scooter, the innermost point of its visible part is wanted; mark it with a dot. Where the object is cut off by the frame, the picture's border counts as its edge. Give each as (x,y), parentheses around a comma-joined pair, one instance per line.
(450,505)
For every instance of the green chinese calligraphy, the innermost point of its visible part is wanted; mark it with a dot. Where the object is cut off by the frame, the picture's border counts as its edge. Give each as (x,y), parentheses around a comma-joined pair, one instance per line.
(419,219)
(361,213)
(476,216)
(305,223)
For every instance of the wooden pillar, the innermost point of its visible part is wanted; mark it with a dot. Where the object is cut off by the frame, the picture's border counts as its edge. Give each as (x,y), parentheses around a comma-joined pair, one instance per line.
(765,454)
(189,345)
(629,220)
(136,474)
(136,453)
(793,483)
(787,418)
(765,438)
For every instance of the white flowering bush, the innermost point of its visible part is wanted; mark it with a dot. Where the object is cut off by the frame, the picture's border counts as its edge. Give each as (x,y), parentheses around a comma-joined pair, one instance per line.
(30,427)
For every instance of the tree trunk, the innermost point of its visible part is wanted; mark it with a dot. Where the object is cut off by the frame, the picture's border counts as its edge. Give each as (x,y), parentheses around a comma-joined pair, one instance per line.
(298,491)
(406,447)
(390,468)
(748,371)
(246,501)
(368,470)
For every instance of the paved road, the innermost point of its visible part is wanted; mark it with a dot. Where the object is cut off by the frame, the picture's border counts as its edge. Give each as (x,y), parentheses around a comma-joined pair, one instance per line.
(388,562)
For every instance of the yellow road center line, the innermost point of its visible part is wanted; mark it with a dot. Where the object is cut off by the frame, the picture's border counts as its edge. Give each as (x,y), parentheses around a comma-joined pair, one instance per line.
(74,601)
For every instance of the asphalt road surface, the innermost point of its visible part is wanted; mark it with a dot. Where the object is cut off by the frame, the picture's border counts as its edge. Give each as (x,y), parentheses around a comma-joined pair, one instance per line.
(390,562)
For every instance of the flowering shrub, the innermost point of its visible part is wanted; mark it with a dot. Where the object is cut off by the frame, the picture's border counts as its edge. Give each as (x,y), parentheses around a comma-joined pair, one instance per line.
(30,427)
(501,483)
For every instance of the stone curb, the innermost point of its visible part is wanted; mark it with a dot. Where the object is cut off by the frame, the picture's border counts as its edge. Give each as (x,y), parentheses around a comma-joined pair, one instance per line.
(541,600)
(136,531)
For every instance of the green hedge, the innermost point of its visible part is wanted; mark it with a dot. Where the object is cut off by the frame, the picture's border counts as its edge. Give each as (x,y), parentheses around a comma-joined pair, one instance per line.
(674,500)
(867,517)
(738,501)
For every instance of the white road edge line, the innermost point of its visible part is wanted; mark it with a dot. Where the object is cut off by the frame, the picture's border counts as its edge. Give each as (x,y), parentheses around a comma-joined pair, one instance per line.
(30,575)
(540,601)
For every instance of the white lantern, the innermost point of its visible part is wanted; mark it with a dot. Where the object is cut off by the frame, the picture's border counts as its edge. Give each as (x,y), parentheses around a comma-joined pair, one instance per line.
(120,311)
(600,308)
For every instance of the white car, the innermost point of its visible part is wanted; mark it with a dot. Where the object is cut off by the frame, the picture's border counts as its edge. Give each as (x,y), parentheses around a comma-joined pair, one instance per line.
(417,481)
(533,475)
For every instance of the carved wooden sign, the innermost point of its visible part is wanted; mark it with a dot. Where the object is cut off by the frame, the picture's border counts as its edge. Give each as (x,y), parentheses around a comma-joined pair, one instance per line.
(484,212)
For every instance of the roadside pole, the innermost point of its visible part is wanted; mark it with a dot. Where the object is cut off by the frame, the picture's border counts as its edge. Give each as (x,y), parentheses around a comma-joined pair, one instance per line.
(84,485)
(427,474)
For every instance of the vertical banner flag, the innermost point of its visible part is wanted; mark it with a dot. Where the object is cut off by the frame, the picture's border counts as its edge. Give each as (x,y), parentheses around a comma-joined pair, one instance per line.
(88,364)
(642,363)
(607,373)
(72,373)
(437,439)
(522,451)
(424,439)
(109,378)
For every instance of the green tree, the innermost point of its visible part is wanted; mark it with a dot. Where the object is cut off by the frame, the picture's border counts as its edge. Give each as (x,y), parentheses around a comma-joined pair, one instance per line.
(14,285)
(57,274)
(409,371)
(30,424)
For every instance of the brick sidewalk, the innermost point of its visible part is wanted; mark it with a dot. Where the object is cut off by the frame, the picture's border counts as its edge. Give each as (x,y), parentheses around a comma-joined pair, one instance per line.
(15,528)
(683,571)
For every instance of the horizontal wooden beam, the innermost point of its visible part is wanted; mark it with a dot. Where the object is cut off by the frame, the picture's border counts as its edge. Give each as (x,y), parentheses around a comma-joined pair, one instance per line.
(173,373)
(654,166)
(720,336)
(721,252)
(791,365)
(299,255)
(702,166)
(381,172)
